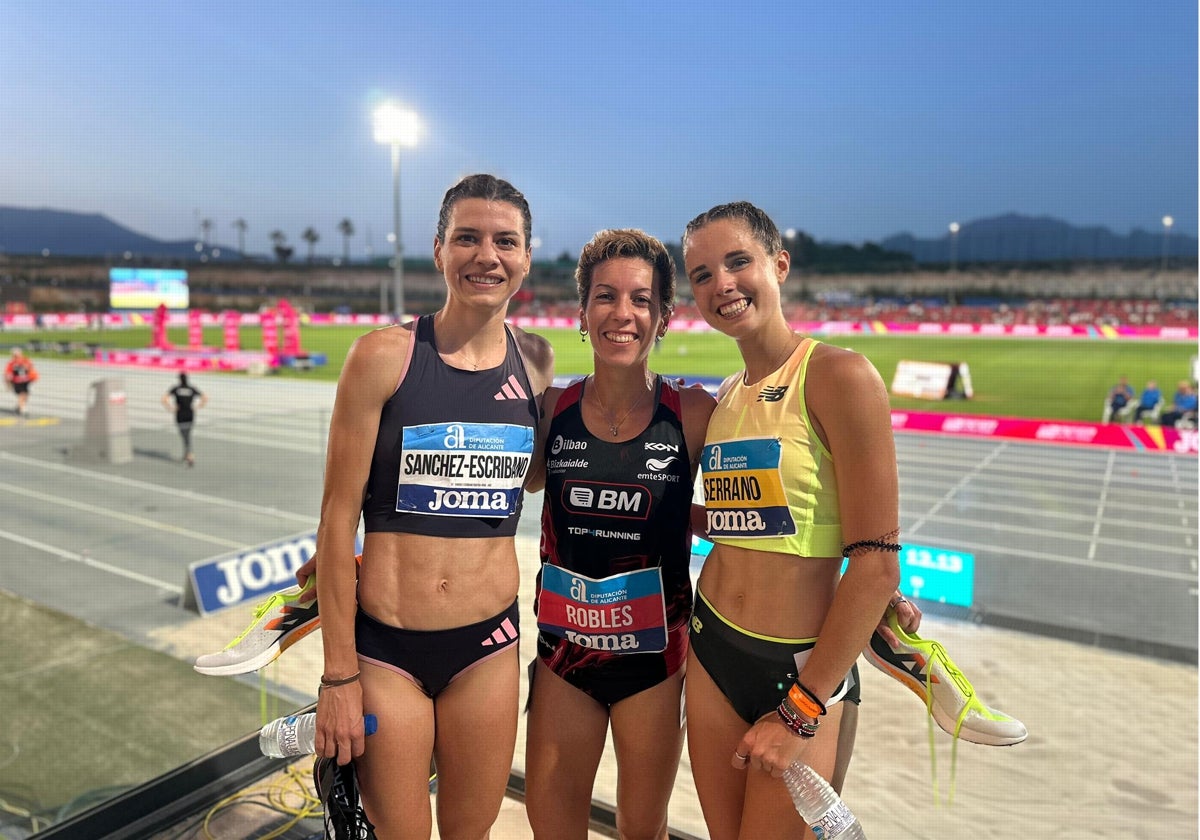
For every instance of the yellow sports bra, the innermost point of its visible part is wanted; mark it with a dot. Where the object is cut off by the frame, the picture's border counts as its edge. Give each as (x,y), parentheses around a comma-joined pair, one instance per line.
(769,483)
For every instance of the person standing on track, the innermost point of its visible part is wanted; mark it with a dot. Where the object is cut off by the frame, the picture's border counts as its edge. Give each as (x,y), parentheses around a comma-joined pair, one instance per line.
(185,399)
(20,373)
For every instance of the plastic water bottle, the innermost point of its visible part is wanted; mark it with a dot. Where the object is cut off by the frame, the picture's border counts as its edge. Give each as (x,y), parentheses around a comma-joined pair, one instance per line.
(297,734)
(820,805)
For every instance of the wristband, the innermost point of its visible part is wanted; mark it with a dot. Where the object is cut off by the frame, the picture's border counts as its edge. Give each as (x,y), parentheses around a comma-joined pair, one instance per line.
(328,683)
(805,700)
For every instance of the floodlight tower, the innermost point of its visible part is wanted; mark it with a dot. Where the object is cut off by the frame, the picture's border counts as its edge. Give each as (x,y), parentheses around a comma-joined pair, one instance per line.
(395,126)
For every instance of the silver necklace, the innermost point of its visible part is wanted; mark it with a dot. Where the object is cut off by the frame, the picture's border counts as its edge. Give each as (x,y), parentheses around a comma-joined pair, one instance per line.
(615,428)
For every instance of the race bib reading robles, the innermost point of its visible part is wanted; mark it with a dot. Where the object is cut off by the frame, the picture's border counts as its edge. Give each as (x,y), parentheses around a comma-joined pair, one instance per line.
(624,613)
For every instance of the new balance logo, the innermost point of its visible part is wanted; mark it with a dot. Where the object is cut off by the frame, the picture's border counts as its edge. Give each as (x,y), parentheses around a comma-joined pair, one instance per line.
(502,635)
(512,390)
(772,394)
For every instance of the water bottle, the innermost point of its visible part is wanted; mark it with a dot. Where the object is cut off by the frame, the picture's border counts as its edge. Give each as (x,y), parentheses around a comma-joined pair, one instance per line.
(297,734)
(820,805)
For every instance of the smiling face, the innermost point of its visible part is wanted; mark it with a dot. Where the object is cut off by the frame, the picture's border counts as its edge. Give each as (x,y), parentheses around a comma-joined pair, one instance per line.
(735,282)
(485,256)
(623,311)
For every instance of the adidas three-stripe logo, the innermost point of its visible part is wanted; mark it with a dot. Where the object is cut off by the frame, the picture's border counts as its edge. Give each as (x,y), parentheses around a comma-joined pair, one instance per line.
(506,632)
(512,390)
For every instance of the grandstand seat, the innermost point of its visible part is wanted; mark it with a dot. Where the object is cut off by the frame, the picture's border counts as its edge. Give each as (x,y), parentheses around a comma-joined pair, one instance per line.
(1122,414)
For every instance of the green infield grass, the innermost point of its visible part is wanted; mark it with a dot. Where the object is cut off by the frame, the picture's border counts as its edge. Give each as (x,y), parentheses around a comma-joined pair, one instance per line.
(1063,379)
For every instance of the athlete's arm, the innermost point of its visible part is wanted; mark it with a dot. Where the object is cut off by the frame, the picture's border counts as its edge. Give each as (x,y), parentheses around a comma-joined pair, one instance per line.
(849,405)
(367,380)
(536,478)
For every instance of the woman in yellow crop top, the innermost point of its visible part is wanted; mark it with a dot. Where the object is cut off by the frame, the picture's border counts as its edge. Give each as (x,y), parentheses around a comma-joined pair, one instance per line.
(799,462)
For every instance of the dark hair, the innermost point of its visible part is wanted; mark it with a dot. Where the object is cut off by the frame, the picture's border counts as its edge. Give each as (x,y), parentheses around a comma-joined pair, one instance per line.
(489,188)
(759,223)
(183,379)
(631,243)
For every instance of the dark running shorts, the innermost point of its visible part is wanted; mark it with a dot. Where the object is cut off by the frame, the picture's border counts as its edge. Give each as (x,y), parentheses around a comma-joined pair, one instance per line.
(432,659)
(608,677)
(753,671)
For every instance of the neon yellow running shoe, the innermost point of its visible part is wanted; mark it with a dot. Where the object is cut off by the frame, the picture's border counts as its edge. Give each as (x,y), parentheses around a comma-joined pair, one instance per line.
(279,622)
(928,671)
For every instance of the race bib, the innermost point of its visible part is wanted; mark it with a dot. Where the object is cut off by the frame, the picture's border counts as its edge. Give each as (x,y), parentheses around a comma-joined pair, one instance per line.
(743,489)
(463,469)
(624,613)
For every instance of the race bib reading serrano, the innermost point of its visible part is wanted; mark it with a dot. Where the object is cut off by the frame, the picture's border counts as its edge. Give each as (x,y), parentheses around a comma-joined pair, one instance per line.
(743,489)
(624,613)
(463,469)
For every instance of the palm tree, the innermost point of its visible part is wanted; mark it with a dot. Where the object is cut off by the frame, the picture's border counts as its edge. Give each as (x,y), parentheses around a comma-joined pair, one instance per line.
(241,226)
(205,227)
(283,251)
(311,237)
(346,228)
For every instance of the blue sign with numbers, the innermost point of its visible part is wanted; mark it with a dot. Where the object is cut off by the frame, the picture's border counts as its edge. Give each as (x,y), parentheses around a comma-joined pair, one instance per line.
(938,574)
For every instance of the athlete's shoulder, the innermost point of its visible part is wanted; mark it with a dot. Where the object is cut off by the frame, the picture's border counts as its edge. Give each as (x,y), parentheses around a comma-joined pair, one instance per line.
(837,365)
(538,355)
(728,384)
(380,350)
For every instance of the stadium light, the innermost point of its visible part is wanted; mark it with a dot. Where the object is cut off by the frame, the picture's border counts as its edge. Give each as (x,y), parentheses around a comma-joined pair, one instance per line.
(954,228)
(1167,223)
(396,126)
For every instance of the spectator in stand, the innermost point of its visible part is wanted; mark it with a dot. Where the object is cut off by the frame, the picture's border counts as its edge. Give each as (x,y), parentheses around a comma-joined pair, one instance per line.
(1183,407)
(1119,397)
(1149,403)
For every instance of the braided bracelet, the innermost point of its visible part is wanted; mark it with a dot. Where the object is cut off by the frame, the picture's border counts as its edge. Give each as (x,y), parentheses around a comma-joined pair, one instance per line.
(879,544)
(796,725)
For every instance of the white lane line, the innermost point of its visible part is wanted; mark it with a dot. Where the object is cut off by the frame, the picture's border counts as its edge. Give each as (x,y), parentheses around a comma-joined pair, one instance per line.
(1032,510)
(160,489)
(1134,545)
(962,482)
(63,554)
(1139,571)
(109,513)
(1098,521)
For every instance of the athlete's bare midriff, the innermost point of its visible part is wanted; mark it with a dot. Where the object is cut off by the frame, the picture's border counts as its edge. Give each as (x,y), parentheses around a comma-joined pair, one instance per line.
(773,594)
(435,583)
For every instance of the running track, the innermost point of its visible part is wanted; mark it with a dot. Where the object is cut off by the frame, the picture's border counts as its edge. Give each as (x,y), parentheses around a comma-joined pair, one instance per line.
(1090,544)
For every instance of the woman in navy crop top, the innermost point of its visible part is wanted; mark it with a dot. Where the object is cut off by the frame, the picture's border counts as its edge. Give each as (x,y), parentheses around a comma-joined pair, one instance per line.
(430,440)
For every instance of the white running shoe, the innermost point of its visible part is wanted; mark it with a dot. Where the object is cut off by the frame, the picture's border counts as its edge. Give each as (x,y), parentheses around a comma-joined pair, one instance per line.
(928,671)
(279,622)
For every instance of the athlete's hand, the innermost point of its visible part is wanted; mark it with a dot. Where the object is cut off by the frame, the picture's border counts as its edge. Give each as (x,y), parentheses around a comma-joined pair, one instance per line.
(908,616)
(306,571)
(768,746)
(340,732)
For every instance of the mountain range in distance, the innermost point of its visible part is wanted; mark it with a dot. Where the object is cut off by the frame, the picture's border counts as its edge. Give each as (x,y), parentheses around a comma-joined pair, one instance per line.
(1011,238)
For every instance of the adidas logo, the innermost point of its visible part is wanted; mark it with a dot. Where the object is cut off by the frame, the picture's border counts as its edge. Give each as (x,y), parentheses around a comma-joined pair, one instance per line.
(772,393)
(512,390)
(503,634)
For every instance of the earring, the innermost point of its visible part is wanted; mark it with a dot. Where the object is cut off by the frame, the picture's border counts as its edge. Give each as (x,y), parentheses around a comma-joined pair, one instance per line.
(582,334)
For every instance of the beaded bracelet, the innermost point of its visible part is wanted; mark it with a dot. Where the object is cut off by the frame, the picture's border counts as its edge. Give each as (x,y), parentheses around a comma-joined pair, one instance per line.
(848,550)
(328,683)
(796,725)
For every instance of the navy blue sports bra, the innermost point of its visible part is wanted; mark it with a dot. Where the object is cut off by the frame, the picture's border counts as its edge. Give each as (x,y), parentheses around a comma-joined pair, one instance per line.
(453,446)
